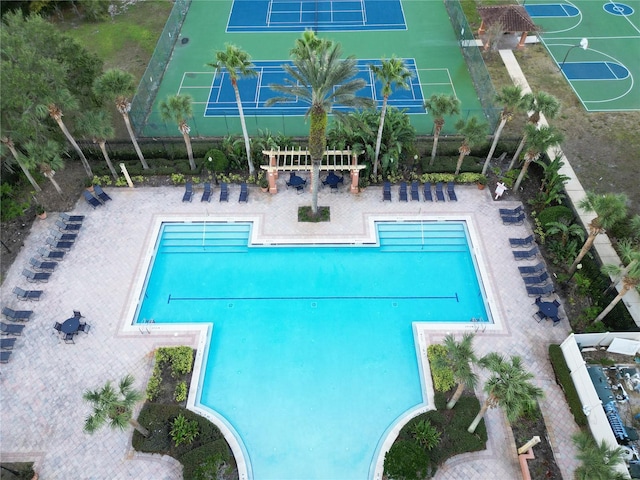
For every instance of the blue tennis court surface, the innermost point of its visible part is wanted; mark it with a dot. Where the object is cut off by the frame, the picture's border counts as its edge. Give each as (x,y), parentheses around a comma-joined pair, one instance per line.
(255,91)
(594,71)
(317,15)
(552,10)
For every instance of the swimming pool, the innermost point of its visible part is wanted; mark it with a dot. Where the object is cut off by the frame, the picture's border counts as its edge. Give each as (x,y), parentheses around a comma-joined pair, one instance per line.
(312,356)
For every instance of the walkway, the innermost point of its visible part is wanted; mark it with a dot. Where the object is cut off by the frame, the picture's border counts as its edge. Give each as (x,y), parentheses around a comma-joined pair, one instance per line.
(41,387)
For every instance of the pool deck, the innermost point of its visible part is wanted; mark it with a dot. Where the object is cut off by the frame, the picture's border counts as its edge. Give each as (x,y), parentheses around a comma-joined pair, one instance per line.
(41,387)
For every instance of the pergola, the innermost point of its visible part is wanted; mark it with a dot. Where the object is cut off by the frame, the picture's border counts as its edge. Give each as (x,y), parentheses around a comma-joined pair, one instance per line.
(300,160)
(513,18)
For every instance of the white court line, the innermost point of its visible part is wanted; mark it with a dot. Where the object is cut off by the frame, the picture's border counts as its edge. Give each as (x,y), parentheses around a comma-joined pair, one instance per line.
(626,17)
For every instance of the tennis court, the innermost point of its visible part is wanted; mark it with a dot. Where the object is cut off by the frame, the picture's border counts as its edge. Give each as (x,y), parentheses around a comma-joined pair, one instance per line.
(370,30)
(604,75)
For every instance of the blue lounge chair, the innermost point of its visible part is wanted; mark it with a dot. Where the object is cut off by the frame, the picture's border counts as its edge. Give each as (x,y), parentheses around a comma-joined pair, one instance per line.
(428,197)
(66,218)
(386,191)
(68,227)
(513,220)
(224,192)
(439,192)
(64,237)
(451,192)
(544,290)
(415,192)
(532,269)
(17,315)
(244,193)
(526,254)
(34,277)
(102,196)
(7,343)
(188,192)
(91,200)
(536,279)
(43,266)
(206,193)
(511,211)
(521,242)
(403,192)
(4,357)
(33,295)
(51,254)
(11,329)
(57,245)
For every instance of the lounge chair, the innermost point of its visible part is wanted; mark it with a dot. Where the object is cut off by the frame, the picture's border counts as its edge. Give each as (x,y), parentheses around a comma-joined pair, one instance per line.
(532,269)
(33,295)
(64,237)
(224,192)
(403,192)
(58,245)
(206,193)
(7,343)
(426,190)
(536,279)
(34,277)
(4,357)
(511,211)
(68,227)
(51,254)
(91,200)
(543,290)
(11,329)
(451,192)
(513,220)
(17,315)
(188,192)
(415,192)
(439,192)
(526,254)
(521,242)
(102,196)
(386,191)
(71,218)
(244,193)
(43,266)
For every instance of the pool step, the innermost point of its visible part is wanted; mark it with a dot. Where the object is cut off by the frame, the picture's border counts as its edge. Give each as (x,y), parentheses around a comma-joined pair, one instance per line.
(220,237)
(422,236)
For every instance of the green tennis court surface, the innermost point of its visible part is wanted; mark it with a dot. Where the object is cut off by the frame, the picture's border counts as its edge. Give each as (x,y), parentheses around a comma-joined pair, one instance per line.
(428,41)
(605,75)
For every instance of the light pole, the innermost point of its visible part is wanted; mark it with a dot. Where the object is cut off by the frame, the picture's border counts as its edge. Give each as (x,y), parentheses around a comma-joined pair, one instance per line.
(584,44)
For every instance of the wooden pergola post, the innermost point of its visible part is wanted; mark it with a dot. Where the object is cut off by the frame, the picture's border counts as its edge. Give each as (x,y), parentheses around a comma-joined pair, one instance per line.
(355,174)
(272,173)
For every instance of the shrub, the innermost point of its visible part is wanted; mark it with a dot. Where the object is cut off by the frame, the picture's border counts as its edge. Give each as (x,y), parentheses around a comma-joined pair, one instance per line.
(563,376)
(183,430)
(180,359)
(153,386)
(10,207)
(426,434)
(442,376)
(202,461)
(406,460)
(181,391)
(219,161)
(554,214)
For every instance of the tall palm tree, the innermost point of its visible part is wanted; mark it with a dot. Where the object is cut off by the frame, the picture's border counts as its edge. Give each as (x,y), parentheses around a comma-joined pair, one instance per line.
(598,460)
(609,209)
(460,357)
(508,387)
(537,104)
(97,125)
(118,86)
(630,255)
(439,106)
(20,160)
(178,108)
(630,281)
(539,140)
(390,73)
(473,133)
(47,156)
(113,407)
(320,78)
(511,100)
(238,64)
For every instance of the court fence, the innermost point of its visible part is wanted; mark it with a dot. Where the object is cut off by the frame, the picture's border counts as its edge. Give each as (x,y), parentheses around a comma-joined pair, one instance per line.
(150,81)
(475,62)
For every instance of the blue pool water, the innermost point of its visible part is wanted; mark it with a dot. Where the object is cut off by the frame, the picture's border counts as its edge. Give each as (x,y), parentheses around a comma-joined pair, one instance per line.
(312,355)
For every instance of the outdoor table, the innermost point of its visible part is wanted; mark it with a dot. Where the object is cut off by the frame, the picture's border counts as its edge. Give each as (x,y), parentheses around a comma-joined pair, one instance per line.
(70,325)
(548,309)
(297,182)
(333,180)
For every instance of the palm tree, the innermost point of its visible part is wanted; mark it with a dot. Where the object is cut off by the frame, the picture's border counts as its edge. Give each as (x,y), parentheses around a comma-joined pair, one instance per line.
(630,281)
(114,407)
(609,209)
(391,72)
(439,106)
(598,460)
(97,125)
(508,387)
(118,86)
(566,229)
(630,255)
(460,357)
(20,160)
(511,100)
(320,78)
(47,156)
(473,133)
(539,140)
(178,108)
(536,103)
(238,64)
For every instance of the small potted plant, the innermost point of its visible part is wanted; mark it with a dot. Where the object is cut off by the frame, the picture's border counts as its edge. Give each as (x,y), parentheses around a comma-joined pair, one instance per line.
(482,182)
(41,212)
(264,184)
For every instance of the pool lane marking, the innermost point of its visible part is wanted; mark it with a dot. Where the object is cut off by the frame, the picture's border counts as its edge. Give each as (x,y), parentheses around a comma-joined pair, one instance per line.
(191,299)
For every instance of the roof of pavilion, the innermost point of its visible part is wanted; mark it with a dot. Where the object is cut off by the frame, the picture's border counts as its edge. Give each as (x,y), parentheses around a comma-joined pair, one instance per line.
(514,18)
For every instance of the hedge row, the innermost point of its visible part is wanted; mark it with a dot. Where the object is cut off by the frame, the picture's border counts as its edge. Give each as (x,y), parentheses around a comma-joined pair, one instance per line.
(563,375)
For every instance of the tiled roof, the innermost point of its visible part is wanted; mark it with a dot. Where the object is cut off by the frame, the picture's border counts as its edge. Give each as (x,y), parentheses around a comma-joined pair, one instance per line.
(514,18)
